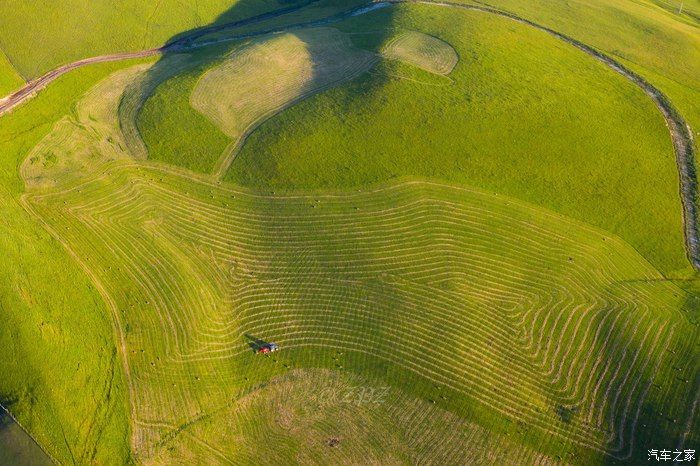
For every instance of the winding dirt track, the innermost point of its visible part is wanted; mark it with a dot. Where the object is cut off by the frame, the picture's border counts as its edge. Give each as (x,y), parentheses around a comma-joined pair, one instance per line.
(681,134)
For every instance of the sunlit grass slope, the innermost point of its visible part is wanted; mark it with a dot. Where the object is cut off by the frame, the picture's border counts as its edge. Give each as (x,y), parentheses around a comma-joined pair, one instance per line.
(9,79)
(136,289)
(648,36)
(521,317)
(61,373)
(506,315)
(522,114)
(421,50)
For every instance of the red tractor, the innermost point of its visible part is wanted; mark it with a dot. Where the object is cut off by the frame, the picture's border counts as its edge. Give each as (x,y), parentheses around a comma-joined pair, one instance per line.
(268,348)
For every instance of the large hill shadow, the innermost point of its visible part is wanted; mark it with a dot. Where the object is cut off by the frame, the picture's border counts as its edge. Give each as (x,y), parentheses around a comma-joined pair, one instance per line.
(199,49)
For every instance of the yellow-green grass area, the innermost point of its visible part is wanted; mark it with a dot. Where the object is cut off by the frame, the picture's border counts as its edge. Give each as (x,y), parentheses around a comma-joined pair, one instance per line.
(38,37)
(61,375)
(647,36)
(9,78)
(85,140)
(497,320)
(527,116)
(508,316)
(321,416)
(426,52)
(160,100)
(270,74)
(505,316)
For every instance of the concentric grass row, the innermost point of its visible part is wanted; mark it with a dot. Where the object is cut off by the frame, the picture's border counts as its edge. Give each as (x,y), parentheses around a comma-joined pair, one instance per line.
(525,313)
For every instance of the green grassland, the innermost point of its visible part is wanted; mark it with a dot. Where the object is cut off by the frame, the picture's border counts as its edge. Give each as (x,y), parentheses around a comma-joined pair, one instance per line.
(553,127)
(39,36)
(375,282)
(198,153)
(649,37)
(532,305)
(480,226)
(62,376)
(9,79)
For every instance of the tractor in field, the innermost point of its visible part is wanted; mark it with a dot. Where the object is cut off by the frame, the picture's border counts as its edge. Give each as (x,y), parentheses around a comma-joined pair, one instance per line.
(268,348)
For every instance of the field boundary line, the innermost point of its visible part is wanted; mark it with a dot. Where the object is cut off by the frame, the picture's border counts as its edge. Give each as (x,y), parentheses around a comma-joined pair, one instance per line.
(19,424)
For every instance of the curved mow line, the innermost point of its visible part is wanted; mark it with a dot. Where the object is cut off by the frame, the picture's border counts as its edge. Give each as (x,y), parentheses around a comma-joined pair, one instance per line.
(681,134)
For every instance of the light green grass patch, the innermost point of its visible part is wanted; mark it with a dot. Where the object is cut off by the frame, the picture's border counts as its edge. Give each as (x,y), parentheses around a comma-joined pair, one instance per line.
(84,143)
(10,80)
(421,50)
(661,45)
(272,73)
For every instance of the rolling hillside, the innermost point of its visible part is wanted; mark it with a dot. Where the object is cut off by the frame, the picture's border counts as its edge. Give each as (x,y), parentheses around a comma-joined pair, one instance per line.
(464,233)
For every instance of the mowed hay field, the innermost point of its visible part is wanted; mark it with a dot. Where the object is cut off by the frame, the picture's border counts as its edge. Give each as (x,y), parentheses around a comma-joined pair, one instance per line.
(522,114)
(424,51)
(562,332)
(444,286)
(62,373)
(506,315)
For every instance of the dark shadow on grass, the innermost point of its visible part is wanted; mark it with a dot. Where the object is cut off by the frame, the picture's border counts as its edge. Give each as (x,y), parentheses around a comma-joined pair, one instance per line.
(199,49)
(255,343)
(653,408)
